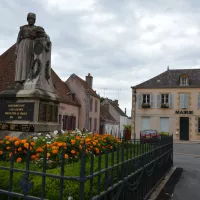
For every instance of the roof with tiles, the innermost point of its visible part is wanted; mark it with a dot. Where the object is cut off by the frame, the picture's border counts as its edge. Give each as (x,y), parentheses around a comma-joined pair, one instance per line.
(171,79)
(7,73)
(86,86)
(105,114)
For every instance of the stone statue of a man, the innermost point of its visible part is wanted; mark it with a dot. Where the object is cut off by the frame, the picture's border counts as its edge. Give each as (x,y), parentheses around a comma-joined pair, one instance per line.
(24,48)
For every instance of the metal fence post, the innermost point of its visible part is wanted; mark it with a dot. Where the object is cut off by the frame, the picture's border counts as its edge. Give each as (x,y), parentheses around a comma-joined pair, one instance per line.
(82,173)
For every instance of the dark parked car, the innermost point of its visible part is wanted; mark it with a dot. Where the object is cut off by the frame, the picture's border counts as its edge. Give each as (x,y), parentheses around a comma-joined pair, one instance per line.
(149,136)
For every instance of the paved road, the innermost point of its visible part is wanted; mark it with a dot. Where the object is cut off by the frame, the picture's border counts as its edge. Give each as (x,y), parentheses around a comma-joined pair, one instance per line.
(187,156)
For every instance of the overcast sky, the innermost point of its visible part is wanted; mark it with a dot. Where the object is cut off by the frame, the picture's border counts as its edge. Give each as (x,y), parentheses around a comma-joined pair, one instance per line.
(120,42)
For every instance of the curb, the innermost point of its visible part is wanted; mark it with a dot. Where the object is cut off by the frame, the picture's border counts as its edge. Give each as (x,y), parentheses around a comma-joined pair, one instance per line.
(157,191)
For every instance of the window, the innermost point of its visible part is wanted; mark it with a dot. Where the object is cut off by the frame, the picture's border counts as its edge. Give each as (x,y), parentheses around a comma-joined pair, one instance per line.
(145,123)
(146,98)
(199,125)
(184,100)
(184,80)
(164,124)
(91,103)
(95,105)
(164,98)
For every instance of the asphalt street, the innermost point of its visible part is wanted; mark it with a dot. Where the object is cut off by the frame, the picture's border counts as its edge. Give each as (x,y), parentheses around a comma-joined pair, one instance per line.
(187,156)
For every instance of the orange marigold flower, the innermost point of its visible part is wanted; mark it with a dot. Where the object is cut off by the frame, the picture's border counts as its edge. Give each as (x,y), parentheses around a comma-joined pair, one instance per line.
(33,157)
(32,143)
(64,144)
(7,142)
(17,143)
(48,155)
(80,147)
(60,144)
(10,155)
(55,147)
(78,137)
(7,137)
(1,141)
(26,145)
(73,142)
(23,141)
(19,160)
(86,151)
(55,151)
(94,143)
(96,150)
(8,148)
(111,147)
(1,152)
(73,152)
(66,156)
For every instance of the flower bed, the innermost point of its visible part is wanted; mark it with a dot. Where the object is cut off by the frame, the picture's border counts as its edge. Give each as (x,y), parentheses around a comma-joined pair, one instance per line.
(70,143)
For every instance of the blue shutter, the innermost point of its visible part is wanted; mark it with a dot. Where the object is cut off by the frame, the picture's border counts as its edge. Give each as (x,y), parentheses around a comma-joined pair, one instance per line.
(181,100)
(140,98)
(198,101)
(171,100)
(186,101)
(158,100)
(152,100)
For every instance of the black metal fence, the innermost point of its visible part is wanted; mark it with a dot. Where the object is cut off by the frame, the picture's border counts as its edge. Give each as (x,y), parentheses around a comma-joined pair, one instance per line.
(131,171)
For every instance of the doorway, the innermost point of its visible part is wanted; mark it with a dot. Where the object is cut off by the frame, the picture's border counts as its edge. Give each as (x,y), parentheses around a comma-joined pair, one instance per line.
(184,128)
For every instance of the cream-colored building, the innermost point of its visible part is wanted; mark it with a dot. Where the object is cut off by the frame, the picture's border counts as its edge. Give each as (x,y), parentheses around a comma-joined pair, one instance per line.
(169,102)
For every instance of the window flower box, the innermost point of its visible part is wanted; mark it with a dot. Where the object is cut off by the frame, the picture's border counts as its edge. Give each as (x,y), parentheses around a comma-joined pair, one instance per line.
(146,105)
(164,105)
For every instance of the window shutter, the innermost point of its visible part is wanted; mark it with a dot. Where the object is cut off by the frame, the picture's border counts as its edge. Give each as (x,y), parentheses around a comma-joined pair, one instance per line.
(186,101)
(181,100)
(198,101)
(158,100)
(140,98)
(171,100)
(151,100)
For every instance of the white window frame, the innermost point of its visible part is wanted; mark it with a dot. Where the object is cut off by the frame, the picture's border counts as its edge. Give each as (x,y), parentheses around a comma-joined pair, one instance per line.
(146,97)
(166,98)
(184,81)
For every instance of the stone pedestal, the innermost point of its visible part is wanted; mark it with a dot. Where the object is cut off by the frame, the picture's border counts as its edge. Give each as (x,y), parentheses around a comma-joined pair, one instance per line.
(28,111)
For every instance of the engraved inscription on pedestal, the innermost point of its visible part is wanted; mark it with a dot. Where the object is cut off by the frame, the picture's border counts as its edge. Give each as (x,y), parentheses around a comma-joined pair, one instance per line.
(16,111)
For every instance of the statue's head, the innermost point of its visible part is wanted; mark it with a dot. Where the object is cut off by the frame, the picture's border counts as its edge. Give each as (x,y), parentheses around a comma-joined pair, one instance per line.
(31,17)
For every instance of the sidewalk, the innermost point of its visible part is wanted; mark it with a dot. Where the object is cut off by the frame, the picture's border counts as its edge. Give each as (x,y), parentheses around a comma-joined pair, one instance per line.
(186,142)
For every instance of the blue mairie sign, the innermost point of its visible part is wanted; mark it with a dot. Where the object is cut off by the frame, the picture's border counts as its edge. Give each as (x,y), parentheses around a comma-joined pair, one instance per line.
(16,111)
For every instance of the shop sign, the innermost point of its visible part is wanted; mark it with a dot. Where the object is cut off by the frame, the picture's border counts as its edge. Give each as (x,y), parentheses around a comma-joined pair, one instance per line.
(184,112)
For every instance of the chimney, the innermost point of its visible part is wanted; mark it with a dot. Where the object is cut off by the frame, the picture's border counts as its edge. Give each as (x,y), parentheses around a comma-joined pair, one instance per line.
(116,102)
(125,111)
(89,80)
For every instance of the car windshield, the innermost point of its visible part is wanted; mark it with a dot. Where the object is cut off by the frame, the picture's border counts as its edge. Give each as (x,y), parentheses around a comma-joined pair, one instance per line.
(149,132)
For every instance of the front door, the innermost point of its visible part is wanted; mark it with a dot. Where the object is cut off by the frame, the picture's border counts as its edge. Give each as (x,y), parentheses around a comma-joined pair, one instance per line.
(184,128)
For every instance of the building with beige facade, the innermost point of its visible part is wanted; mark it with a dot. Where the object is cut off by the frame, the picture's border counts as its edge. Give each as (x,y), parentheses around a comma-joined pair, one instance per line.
(169,102)
(89,114)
